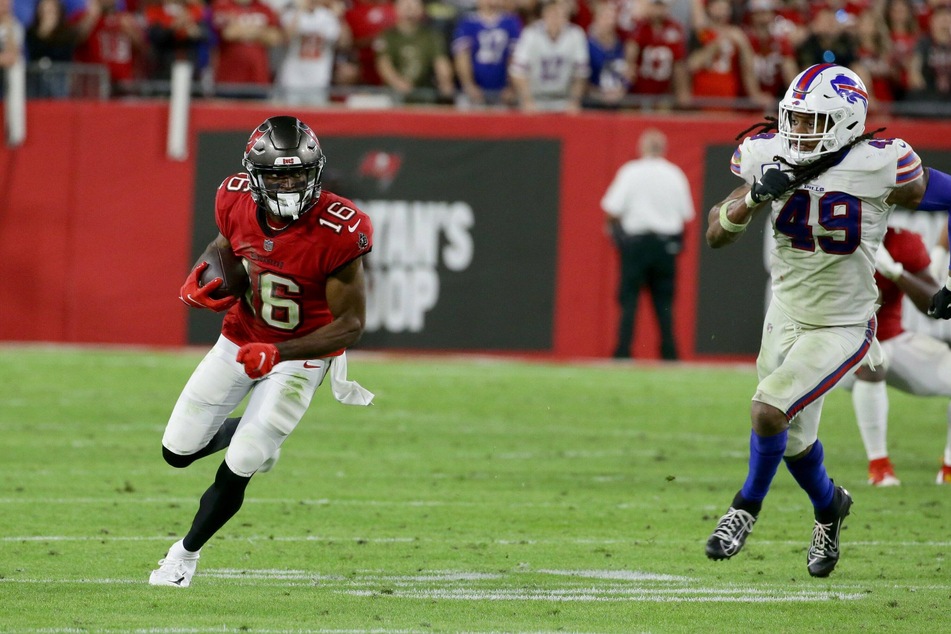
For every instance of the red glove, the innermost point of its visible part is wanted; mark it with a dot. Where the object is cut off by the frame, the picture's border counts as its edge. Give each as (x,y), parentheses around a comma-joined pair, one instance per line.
(198,296)
(258,358)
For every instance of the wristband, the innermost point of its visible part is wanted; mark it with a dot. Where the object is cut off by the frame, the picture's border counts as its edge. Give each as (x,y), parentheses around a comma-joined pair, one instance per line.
(895,273)
(749,200)
(729,225)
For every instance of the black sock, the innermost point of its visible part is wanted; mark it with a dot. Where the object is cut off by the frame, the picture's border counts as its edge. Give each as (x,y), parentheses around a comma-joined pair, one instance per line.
(739,502)
(218,505)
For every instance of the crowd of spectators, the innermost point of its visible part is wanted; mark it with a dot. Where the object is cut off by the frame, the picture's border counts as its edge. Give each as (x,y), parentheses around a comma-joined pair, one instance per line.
(529,54)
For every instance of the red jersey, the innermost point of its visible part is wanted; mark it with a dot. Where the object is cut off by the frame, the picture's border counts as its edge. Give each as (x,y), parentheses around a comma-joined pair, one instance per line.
(288,269)
(660,46)
(879,67)
(721,77)
(366,21)
(903,47)
(242,62)
(908,249)
(768,54)
(108,44)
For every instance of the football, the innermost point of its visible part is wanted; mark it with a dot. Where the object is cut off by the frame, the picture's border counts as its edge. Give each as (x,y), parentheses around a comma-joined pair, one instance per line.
(229,267)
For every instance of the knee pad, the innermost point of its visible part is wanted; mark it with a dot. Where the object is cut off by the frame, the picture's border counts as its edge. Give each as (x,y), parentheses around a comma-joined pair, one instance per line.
(247,452)
(176,460)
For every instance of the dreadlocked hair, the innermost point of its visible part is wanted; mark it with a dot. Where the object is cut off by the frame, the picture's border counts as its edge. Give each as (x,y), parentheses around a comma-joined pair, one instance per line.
(804,173)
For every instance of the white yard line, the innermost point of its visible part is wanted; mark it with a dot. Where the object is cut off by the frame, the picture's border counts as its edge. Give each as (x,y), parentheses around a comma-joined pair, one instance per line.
(563,586)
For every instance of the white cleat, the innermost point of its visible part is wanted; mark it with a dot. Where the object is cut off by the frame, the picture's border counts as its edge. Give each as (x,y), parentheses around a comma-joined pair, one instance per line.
(885,480)
(174,572)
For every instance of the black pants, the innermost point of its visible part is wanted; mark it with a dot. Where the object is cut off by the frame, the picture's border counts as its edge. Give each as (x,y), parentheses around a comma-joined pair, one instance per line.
(649,261)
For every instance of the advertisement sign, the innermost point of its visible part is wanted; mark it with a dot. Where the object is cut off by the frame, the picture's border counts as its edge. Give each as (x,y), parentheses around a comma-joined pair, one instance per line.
(465,236)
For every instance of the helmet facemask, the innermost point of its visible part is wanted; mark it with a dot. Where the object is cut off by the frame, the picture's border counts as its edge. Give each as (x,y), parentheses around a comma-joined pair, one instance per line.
(806,147)
(285,165)
(833,100)
(286,192)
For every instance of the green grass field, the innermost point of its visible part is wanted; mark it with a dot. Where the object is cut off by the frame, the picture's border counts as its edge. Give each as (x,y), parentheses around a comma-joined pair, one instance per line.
(475,495)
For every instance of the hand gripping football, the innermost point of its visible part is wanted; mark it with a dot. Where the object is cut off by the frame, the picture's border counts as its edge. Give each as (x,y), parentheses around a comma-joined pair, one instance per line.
(223,263)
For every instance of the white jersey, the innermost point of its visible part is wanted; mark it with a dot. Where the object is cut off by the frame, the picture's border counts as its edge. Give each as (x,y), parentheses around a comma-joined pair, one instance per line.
(649,195)
(310,54)
(550,65)
(828,230)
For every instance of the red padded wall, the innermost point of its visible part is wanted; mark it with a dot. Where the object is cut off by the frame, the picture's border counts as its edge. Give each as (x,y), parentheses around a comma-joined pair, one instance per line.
(95,219)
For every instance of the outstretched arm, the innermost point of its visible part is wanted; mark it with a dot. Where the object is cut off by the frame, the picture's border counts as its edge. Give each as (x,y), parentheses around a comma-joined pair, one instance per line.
(931,192)
(919,287)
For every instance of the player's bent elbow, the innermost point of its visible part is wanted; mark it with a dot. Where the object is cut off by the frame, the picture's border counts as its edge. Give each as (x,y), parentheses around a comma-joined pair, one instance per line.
(352,329)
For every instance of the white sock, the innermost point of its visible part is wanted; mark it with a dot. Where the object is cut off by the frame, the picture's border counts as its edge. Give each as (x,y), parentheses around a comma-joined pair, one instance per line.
(177,551)
(947,446)
(870,400)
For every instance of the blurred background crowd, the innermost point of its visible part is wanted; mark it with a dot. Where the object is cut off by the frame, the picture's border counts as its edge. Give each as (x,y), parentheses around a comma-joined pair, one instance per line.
(527,54)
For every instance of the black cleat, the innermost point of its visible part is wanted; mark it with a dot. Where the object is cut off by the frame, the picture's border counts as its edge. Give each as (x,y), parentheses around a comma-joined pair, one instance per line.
(730,534)
(824,551)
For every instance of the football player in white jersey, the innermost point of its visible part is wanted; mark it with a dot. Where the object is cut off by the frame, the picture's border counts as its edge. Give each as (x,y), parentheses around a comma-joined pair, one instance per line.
(549,69)
(828,188)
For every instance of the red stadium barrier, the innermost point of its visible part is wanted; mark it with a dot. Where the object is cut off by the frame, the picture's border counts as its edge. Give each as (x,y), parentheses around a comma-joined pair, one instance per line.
(96,222)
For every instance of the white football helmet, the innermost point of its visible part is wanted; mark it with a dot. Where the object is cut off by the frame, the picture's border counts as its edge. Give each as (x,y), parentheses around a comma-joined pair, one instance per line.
(836,99)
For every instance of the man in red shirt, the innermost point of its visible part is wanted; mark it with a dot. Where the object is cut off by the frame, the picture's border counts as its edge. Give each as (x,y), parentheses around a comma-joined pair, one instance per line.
(110,36)
(367,19)
(303,249)
(176,30)
(655,52)
(721,60)
(914,362)
(774,58)
(246,30)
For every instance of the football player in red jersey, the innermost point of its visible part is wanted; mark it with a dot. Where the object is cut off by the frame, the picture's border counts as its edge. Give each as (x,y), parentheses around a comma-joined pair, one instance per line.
(915,363)
(774,57)
(108,34)
(303,248)
(247,32)
(656,50)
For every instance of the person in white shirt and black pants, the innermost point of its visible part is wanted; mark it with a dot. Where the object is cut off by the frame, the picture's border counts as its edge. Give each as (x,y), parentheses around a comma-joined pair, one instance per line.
(647,205)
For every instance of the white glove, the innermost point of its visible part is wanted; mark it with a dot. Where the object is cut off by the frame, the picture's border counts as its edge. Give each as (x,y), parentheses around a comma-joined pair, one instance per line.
(939,262)
(885,265)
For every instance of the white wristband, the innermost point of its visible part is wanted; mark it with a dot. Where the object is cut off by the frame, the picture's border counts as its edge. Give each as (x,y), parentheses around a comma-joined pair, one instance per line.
(895,273)
(729,225)
(749,200)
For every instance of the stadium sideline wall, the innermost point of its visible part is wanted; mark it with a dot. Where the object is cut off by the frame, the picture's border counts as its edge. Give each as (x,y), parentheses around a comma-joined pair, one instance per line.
(98,227)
